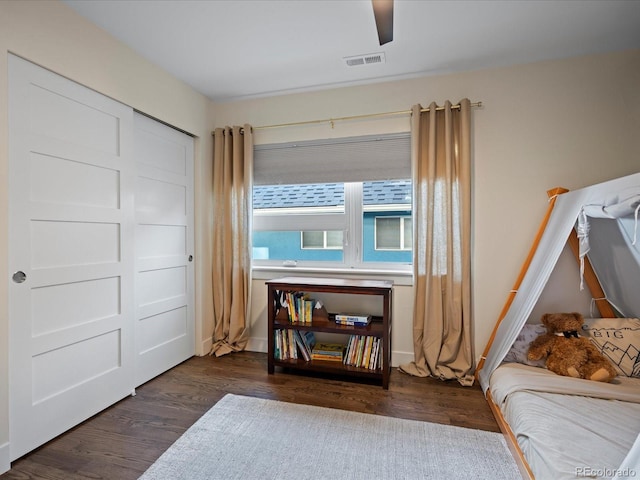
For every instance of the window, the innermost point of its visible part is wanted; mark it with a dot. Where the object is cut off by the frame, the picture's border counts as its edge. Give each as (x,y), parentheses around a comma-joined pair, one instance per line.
(393,233)
(387,205)
(321,239)
(320,203)
(292,222)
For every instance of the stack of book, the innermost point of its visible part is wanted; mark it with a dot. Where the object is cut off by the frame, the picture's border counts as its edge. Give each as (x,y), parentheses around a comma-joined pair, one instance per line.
(300,307)
(364,352)
(352,319)
(328,351)
(288,343)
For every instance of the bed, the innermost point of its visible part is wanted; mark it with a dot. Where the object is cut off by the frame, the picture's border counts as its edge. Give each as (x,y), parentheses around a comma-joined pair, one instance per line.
(559,427)
(568,428)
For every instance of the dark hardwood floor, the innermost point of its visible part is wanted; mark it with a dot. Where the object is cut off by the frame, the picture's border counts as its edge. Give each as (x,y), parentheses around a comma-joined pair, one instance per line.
(124,440)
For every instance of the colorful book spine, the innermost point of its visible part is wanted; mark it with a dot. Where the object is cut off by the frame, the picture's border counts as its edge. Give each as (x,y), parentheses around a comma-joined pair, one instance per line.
(367,352)
(374,355)
(293,351)
(281,349)
(300,307)
(328,351)
(347,354)
(363,351)
(327,358)
(291,344)
(277,348)
(351,324)
(306,354)
(352,319)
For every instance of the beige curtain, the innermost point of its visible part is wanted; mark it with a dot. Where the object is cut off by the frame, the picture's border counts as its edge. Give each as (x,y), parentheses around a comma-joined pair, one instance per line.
(442,232)
(231,249)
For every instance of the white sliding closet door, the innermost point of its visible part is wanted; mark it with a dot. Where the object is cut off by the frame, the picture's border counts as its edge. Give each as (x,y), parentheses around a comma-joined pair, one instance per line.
(164,245)
(71,230)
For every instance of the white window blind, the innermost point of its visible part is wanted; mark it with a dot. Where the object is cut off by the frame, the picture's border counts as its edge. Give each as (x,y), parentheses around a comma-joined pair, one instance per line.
(350,159)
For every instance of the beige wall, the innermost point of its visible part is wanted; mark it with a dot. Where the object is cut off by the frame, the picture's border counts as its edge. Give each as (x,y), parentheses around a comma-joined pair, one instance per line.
(566,123)
(50,34)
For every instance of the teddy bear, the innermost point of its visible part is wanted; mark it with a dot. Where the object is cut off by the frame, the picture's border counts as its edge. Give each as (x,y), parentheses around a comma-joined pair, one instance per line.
(566,352)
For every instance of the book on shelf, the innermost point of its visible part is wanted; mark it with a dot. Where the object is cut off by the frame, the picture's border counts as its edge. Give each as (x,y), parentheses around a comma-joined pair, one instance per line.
(352,319)
(277,345)
(305,341)
(347,351)
(360,351)
(283,349)
(374,355)
(306,355)
(328,351)
(356,349)
(283,340)
(292,344)
(290,348)
(363,351)
(326,358)
(309,339)
(367,352)
(299,307)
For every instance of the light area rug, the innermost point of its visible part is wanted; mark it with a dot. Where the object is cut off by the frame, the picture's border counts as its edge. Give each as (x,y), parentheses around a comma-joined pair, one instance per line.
(251,438)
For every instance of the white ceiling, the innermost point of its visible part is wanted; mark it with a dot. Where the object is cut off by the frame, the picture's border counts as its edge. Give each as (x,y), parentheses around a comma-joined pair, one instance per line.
(235,49)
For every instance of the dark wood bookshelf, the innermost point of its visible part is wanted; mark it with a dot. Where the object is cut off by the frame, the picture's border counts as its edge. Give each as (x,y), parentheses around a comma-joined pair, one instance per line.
(324,322)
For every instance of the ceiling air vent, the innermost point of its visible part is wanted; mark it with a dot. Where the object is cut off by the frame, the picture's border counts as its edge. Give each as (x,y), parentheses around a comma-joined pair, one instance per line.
(367,59)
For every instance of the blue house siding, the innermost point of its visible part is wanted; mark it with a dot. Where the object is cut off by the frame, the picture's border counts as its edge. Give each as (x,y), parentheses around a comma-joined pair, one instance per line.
(287,246)
(369,253)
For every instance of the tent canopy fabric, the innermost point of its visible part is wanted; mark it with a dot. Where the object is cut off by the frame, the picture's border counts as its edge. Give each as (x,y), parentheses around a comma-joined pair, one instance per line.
(612,209)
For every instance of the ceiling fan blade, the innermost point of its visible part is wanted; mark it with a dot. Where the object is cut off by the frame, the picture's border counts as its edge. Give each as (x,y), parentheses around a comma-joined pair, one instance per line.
(383,13)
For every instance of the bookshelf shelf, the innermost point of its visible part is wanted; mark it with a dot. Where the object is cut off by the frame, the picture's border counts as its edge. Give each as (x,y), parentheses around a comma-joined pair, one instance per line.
(323,322)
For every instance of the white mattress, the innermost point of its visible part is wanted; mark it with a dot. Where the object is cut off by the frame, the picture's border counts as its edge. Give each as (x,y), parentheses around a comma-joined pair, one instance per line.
(583,432)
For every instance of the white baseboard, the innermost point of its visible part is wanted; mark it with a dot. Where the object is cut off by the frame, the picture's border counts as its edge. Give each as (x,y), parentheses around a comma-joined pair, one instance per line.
(5,463)
(253,345)
(400,358)
(205,347)
(257,344)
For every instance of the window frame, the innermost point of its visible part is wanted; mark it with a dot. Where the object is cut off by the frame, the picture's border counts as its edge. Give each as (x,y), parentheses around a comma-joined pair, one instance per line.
(346,160)
(350,221)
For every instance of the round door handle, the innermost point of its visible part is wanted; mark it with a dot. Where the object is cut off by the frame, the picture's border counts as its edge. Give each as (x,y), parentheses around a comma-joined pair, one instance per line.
(19,276)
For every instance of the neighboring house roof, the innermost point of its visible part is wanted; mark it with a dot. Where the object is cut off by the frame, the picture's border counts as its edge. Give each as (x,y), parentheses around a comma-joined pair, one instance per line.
(388,192)
(283,196)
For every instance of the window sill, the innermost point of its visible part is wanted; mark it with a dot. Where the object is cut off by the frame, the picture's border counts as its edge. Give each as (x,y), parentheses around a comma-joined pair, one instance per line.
(399,277)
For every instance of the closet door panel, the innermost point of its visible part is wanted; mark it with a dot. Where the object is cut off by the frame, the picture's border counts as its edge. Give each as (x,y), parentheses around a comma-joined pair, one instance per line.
(68,182)
(71,230)
(165,331)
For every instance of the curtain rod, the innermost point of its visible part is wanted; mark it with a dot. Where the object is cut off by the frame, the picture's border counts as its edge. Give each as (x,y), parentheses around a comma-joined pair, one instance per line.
(353,117)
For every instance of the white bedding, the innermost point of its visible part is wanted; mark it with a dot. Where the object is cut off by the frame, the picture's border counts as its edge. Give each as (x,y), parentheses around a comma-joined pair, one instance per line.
(568,428)
(513,377)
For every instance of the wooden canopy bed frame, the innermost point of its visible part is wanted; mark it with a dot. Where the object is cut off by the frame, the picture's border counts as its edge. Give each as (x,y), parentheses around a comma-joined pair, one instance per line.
(604,307)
